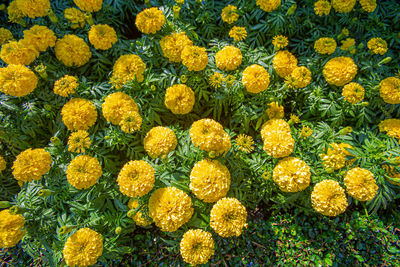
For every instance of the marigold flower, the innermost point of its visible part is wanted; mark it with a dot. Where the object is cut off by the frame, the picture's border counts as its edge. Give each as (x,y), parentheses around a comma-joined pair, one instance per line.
(31,164)
(170,208)
(78,114)
(159,141)
(19,53)
(216,80)
(292,174)
(3,164)
(89,5)
(150,20)
(11,228)
(353,92)
(377,46)
(83,248)
(65,86)
(5,36)
(131,121)
(245,143)
(34,8)
(328,198)
(294,119)
(349,44)
(343,6)
(139,218)
(392,172)
(360,184)
(75,17)
(197,247)
(340,71)
(15,15)
(194,58)
(322,7)
(268,5)
(78,141)
(280,41)
(17,80)
(83,172)
(255,78)
(275,111)
(228,58)
(368,5)
(391,127)
(306,132)
(335,156)
(284,63)
(325,45)
(172,45)
(179,98)
(390,90)
(230,79)
(102,36)
(136,178)
(277,138)
(299,78)
(238,33)
(127,68)
(116,105)
(230,14)
(72,50)
(40,37)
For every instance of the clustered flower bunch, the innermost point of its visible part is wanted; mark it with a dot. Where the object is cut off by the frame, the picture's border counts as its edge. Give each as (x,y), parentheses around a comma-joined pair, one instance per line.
(174,127)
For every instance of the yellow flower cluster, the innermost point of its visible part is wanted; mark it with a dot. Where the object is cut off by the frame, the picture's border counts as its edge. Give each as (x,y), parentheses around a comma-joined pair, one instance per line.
(245,143)
(284,63)
(322,7)
(5,36)
(275,111)
(172,45)
(131,121)
(136,178)
(280,42)
(277,138)
(127,68)
(89,5)
(328,198)
(20,52)
(17,80)
(343,6)
(390,90)
(292,174)
(268,5)
(78,114)
(150,20)
(102,36)
(349,44)
(40,37)
(65,86)
(368,5)
(325,45)
(11,228)
(340,71)
(238,33)
(228,58)
(72,50)
(78,141)
(159,141)
(305,132)
(194,58)
(230,14)
(33,8)
(299,78)
(116,105)
(353,92)
(377,46)
(31,164)
(3,164)
(360,184)
(255,78)
(83,172)
(335,156)
(139,218)
(197,247)
(179,98)
(391,127)
(170,208)
(216,79)
(75,17)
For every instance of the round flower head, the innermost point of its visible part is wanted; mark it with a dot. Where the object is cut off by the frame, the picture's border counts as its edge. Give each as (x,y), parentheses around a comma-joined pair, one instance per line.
(360,184)
(19,53)
(31,164)
(299,78)
(255,78)
(11,229)
(305,132)
(280,42)
(340,71)
(179,98)
(5,36)
(172,45)
(268,5)
(194,58)
(116,105)
(228,58)
(325,45)
(353,92)
(3,164)
(322,7)
(127,68)
(136,178)
(78,141)
(230,14)
(275,111)
(391,127)
(238,33)
(209,135)
(131,121)
(368,5)
(216,79)
(34,8)
(17,80)
(83,172)
(170,208)
(349,44)
(102,36)
(245,143)
(72,50)
(65,86)
(292,174)
(284,63)
(197,247)
(277,138)
(328,198)
(210,180)
(40,37)
(83,248)
(343,6)
(78,114)
(150,20)
(390,90)
(335,156)
(159,141)
(89,5)
(15,15)
(75,17)
(377,46)
(139,218)
(228,217)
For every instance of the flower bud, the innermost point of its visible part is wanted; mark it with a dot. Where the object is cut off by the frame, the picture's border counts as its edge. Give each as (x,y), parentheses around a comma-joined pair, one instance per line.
(89,18)
(118,230)
(4,204)
(45,192)
(55,140)
(291,9)
(66,229)
(345,130)
(385,61)
(53,18)
(183,79)
(212,154)
(364,104)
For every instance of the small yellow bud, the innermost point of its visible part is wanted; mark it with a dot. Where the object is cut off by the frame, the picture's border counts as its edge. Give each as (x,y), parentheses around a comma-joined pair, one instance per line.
(118,230)
(55,140)
(291,9)
(183,79)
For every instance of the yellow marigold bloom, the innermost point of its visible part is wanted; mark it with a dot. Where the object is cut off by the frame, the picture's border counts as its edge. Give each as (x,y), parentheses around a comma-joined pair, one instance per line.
(328,198)
(179,98)
(72,50)
(209,135)
(292,174)
(197,247)
(170,208)
(299,78)
(31,164)
(194,58)
(78,141)
(230,14)
(294,119)
(391,127)
(325,45)
(238,33)
(83,172)
(268,5)
(322,7)
(17,80)
(83,248)
(335,156)
(19,53)
(5,36)
(228,217)
(172,45)
(127,68)
(343,6)
(280,41)
(210,180)
(353,92)
(368,5)
(150,20)
(116,105)
(284,63)
(136,178)
(377,46)
(75,17)
(228,58)
(139,218)
(277,138)
(102,36)
(11,228)
(40,37)
(34,8)
(230,79)
(245,143)
(255,78)
(159,141)
(3,164)
(15,15)
(78,114)
(65,86)
(275,111)
(360,184)
(131,121)
(216,80)
(89,5)
(390,90)
(306,132)
(392,172)
(349,44)
(340,71)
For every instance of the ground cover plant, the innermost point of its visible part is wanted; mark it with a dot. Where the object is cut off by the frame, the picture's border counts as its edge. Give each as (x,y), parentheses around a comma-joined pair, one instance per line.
(199,132)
